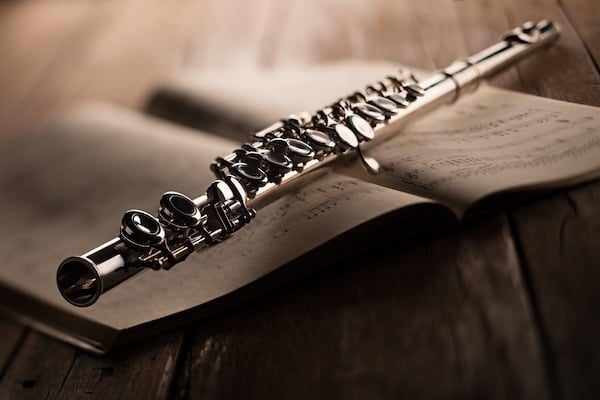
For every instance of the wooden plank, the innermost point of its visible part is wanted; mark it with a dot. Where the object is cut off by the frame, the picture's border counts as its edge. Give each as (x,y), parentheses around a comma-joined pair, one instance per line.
(560,245)
(46,368)
(446,318)
(31,35)
(119,51)
(440,31)
(143,370)
(11,334)
(38,370)
(200,35)
(584,16)
(565,72)
(483,23)
(233,40)
(130,54)
(374,30)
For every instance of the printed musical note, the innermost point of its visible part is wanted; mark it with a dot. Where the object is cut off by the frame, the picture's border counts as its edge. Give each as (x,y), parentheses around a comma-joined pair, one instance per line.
(304,207)
(490,141)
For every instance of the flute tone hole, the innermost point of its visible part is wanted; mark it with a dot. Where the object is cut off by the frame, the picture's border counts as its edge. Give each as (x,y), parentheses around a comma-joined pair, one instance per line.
(183,205)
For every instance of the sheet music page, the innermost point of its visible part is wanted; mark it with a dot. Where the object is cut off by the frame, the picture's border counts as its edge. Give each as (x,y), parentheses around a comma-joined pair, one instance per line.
(232,94)
(491,141)
(282,231)
(65,192)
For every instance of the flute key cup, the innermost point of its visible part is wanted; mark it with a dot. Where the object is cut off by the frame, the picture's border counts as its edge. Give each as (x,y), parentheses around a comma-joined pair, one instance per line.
(141,231)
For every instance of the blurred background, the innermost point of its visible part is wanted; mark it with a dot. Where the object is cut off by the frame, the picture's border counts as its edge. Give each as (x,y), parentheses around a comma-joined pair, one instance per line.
(55,52)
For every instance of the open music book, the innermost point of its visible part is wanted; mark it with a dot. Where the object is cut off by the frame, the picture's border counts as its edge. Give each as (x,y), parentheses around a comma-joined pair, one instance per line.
(63,192)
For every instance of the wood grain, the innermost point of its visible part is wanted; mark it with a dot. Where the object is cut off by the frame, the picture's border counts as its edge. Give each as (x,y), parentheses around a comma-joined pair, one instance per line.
(112,50)
(374,30)
(11,333)
(143,370)
(490,25)
(39,370)
(566,71)
(46,368)
(447,318)
(584,16)
(32,35)
(560,245)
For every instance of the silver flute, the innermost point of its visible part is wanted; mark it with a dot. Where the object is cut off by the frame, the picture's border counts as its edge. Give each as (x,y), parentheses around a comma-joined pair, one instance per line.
(254,175)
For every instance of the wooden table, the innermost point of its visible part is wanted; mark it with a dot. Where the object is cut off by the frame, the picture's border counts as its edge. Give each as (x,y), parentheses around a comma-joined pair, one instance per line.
(504,307)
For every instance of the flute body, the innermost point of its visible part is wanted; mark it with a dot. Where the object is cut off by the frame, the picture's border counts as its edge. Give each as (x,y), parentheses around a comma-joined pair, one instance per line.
(254,175)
